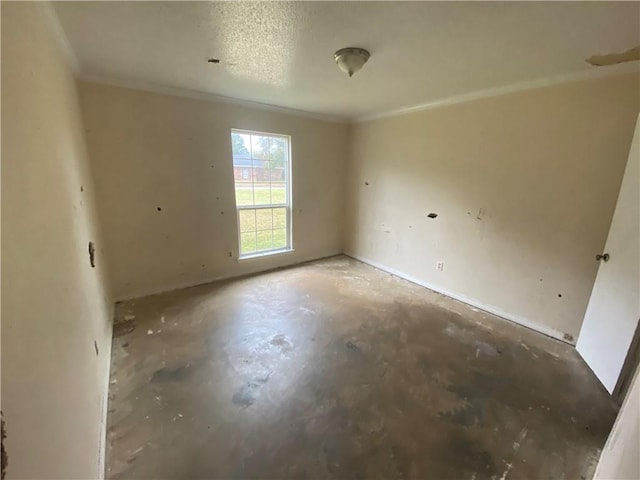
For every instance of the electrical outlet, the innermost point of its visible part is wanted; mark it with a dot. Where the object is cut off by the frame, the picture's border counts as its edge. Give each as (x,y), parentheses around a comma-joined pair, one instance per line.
(440,266)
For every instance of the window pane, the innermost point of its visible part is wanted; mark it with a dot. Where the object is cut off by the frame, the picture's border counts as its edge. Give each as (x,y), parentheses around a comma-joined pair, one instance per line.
(240,143)
(280,238)
(265,241)
(244,193)
(263,219)
(262,167)
(260,147)
(278,150)
(278,192)
(280,218)
(262,193)
(247,220)
(277,172)
(247,242)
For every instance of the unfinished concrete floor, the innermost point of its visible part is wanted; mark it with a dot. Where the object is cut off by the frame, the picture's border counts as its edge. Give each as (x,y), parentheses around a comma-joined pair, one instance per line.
(334,369)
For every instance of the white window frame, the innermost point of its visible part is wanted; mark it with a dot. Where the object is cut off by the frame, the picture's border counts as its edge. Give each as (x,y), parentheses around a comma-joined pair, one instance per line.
(287,205)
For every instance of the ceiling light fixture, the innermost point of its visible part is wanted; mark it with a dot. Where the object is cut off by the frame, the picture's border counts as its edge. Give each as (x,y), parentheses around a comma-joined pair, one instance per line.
(351,59)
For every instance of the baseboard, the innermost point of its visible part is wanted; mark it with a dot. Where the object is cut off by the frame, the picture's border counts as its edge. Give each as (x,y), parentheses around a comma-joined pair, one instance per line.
(550,332)
(525,322)
(218,278)
(102,453)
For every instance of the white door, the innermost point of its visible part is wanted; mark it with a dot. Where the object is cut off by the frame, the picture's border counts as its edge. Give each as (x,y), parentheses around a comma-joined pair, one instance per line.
(614,308)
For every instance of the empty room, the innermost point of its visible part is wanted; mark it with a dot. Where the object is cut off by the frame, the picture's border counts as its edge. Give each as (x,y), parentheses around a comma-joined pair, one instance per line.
(345,240)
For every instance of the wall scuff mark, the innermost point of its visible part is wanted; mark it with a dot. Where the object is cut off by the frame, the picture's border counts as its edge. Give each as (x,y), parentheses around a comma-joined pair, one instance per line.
(92,255)
(5,459)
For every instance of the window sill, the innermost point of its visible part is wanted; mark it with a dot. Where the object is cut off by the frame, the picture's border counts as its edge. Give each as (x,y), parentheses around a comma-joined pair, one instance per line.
(251,256)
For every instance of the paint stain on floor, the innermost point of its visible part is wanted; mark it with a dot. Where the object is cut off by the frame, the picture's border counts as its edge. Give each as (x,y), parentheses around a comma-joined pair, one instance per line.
(334,369)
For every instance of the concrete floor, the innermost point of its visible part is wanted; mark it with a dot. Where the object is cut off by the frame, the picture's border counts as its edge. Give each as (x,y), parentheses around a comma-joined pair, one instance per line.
(334,369)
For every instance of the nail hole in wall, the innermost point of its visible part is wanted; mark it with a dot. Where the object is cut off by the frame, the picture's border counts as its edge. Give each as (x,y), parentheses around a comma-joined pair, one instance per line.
(366,183)
(432,215)
(159,209)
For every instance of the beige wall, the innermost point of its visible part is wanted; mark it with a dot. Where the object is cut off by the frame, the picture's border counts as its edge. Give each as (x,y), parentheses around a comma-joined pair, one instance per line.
(541,169)
(619,458)
(150,150)
(54,305)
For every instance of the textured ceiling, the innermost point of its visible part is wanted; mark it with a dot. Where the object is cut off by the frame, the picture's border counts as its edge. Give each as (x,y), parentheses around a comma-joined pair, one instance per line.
(281,53)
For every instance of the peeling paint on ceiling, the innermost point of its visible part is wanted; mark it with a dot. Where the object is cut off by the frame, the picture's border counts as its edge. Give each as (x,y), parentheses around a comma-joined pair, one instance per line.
(630,55)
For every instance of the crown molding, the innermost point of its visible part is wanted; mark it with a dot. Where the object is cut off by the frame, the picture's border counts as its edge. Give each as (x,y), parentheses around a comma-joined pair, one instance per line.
(590,74)
(207,97)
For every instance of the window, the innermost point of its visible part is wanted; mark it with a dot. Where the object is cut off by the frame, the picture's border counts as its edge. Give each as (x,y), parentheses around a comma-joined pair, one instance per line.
(262,175)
